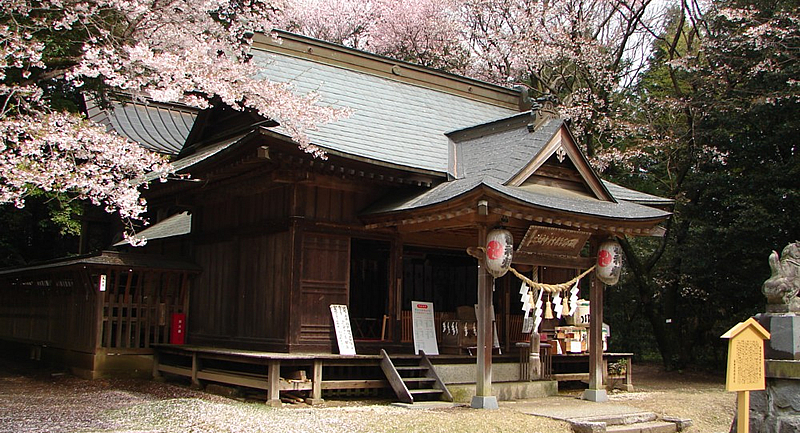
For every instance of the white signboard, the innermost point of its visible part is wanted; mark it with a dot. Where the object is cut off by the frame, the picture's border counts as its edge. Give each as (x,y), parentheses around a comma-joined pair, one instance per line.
(424,328)
(344,334)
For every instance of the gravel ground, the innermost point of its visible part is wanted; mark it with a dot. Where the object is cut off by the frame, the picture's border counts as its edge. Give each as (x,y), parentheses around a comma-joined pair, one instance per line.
(35,400)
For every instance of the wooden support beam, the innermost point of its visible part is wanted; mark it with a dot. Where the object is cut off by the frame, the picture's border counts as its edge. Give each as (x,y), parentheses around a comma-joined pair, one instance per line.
(316,384)
(274,380)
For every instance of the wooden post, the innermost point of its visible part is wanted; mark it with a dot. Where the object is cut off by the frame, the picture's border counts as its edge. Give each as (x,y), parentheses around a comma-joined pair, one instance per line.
(274,380)
(743,412)
(483,383)
(195,368)
(316,384)
(596,391)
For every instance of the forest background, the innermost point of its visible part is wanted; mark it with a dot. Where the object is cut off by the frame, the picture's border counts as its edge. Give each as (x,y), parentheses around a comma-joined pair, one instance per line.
(693,100)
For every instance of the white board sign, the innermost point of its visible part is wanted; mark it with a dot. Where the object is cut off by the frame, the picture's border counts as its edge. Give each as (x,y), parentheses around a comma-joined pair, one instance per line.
(344,334)
(424,328)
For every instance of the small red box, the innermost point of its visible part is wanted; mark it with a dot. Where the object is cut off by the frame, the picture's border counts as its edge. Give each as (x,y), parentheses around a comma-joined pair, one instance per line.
(178,333)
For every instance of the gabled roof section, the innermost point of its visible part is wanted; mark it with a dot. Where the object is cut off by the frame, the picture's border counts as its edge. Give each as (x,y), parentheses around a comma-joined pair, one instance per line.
(513,152)
(400,111)
(561,147)
(530,161)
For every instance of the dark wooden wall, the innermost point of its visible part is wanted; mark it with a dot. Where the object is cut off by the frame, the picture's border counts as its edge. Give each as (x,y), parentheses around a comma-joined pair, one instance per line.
(54,309)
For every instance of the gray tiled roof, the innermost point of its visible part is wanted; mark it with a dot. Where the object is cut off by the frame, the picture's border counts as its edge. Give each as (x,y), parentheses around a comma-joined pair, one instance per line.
(176,225)
(200,155)
(162,128)
(392,122)
(501,155)
(622,193)
(108,258)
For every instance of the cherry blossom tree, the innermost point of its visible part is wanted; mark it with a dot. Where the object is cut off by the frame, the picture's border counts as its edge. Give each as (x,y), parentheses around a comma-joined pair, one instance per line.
(586,52)
(426,32)
(175,50)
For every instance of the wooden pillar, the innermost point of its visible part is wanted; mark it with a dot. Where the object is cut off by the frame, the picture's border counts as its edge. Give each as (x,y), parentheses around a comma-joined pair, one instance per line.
(195,369)
(316,383)
(596,391)
(396,290)
(483,382)
(274,383)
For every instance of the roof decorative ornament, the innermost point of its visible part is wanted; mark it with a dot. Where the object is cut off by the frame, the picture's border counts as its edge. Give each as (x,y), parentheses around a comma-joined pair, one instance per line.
(542,110)
(561,154)
(782,289)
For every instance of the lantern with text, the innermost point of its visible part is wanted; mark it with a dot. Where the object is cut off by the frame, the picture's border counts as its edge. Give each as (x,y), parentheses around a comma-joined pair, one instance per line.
(609,262)
(499,252)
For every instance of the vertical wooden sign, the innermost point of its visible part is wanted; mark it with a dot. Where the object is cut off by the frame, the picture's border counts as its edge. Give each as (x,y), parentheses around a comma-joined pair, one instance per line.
(344,333)
(745,366)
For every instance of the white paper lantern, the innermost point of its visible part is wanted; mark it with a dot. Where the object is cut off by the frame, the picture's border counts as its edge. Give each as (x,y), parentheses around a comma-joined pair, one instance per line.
(499,252)
(609,262)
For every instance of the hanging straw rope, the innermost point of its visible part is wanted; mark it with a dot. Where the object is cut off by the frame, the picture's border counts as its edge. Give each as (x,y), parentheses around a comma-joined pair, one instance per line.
(551,288)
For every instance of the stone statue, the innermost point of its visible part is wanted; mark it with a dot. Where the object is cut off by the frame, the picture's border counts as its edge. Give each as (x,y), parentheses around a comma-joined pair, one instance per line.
(782,289)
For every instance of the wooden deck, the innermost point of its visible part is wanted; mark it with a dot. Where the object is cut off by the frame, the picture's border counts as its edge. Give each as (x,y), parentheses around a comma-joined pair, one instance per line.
(280,372)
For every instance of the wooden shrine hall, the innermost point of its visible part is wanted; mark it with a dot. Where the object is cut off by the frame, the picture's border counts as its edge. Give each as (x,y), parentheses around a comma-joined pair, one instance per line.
(266,237)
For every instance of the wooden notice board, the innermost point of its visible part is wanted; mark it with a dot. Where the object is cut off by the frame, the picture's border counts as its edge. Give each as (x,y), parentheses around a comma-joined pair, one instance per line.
(746,356)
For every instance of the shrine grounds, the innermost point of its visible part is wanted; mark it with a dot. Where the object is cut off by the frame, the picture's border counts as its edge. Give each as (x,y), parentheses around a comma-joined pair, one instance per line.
(35,399)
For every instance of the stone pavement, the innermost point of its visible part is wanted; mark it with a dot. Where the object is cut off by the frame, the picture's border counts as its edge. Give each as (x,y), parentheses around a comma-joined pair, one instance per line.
(587,416)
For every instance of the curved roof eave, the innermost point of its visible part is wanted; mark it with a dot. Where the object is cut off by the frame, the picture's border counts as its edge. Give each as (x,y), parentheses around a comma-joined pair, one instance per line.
(450,191)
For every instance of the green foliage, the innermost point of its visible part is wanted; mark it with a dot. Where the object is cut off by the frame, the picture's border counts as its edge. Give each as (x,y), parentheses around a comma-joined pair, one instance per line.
(47,228)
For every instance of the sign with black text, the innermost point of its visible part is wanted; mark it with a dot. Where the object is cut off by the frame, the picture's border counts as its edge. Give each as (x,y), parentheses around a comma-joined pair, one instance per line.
(344,333)
(424,328)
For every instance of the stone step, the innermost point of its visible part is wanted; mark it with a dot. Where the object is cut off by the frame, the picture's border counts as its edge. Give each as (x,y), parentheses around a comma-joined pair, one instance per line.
(644,427)
(619,419)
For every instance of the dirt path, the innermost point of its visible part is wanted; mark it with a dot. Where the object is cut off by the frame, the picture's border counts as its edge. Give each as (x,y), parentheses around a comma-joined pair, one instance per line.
(34,400)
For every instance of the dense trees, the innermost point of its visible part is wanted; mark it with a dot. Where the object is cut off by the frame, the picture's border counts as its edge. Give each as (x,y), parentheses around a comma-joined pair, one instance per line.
(719,108)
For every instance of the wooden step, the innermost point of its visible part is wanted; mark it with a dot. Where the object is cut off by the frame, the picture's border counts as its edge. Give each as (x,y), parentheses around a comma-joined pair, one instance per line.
(425,391)
(418,380)
(414,381)
(644,427)
(410,368)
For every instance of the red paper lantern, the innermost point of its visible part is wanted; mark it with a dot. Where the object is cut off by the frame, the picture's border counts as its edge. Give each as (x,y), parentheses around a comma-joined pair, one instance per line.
(499,252)
(609,262)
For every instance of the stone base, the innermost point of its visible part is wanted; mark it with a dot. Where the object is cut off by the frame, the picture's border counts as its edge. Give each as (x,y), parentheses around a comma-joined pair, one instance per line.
(776,409)
(484,402)
(595,395)
(784,329)
(782,369)
(507,391)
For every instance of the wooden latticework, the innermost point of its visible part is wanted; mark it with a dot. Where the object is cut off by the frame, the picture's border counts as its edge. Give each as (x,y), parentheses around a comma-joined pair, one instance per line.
(137,306)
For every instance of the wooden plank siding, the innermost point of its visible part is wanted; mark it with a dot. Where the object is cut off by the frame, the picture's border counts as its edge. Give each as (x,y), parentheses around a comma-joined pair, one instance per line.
(325,280)
(240,297)
(51,309)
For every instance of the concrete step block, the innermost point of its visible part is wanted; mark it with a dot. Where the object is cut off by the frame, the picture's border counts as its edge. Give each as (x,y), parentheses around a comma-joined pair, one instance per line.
(644,427)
